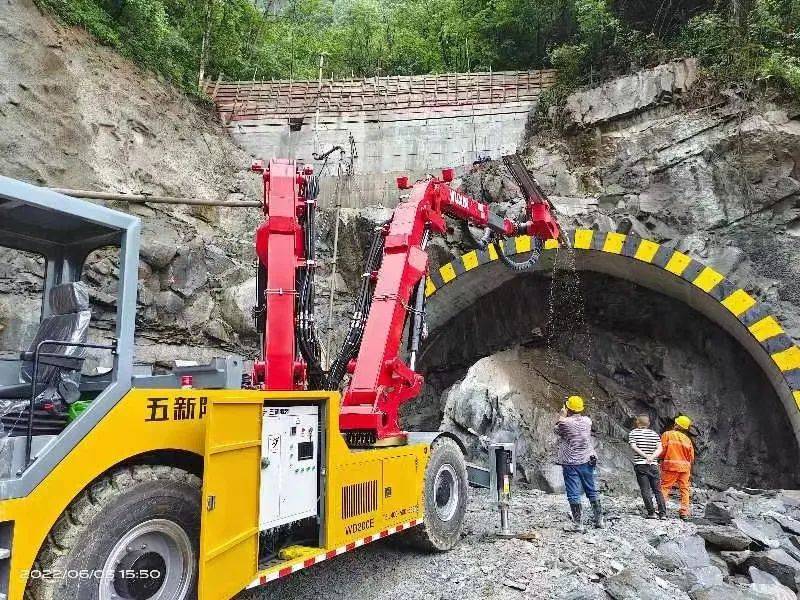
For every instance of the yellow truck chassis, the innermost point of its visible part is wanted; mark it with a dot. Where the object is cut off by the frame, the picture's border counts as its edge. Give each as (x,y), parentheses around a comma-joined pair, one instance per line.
(221,435)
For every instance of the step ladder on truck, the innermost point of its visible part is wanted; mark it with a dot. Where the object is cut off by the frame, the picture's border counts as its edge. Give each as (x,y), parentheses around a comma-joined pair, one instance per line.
(204,480)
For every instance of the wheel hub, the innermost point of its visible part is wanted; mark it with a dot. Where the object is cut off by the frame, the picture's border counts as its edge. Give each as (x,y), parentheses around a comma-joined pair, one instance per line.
(446,492)
(153,561)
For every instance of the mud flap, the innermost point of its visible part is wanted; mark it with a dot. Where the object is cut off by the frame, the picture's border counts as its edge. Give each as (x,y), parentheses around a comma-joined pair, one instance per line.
(231,478)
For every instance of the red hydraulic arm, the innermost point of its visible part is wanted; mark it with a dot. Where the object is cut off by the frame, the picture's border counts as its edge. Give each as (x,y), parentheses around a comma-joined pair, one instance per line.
(279,248)
(381,382)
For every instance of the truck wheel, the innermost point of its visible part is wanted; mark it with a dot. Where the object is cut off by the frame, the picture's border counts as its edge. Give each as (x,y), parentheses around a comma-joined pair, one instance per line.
(445,498)
(132,535)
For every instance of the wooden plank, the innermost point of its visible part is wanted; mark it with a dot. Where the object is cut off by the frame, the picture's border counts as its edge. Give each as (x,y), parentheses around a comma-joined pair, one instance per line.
(244,101)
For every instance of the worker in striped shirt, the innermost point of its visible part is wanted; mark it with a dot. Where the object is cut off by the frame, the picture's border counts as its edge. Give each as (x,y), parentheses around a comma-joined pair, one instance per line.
(676,462)
(646,446)
(577,459)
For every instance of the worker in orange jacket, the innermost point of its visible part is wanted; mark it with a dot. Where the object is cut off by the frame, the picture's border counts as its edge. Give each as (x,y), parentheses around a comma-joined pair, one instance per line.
(677,457)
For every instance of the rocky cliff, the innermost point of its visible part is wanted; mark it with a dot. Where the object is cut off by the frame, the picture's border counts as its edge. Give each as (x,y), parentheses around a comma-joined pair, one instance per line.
(666,156)
(75,114)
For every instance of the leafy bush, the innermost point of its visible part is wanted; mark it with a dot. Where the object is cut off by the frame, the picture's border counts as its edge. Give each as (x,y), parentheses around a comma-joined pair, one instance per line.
(764,45)
(87,14)
(587,40)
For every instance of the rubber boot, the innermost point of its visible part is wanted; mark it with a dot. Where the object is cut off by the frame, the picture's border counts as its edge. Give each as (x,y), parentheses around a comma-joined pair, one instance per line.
(597,515)
(577,518)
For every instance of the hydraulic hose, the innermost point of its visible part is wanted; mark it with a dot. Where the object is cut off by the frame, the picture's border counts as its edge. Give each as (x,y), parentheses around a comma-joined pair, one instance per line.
(358,321)
(482,242)
(525,265)
(417,330)
(487,238)
(308,342)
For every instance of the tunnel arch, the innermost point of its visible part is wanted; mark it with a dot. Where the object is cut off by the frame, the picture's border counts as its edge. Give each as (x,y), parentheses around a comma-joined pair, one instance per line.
(655,266)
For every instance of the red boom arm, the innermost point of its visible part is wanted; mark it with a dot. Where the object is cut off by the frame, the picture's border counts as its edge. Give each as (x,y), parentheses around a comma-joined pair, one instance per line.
(381,382)
(279,246)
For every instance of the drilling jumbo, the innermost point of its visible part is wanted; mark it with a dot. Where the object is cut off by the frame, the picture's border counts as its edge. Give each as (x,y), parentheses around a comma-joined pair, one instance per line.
(205,480)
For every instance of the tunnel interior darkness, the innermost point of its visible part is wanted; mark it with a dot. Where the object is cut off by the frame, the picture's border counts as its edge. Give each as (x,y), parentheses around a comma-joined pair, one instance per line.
(643,352)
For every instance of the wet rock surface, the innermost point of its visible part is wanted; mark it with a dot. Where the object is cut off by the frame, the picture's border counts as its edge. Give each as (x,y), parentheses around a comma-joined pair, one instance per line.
(660,359)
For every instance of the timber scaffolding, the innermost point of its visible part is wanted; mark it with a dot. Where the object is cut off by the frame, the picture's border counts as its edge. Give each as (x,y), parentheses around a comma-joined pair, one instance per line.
(449,94)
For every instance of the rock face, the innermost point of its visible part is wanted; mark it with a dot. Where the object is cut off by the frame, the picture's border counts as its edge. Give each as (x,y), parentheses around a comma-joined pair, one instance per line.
(712,175)
(654,360)
(626,96)
(74,114)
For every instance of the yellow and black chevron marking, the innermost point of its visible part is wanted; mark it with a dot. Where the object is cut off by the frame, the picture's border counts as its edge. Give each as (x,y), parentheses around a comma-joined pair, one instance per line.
(764,327)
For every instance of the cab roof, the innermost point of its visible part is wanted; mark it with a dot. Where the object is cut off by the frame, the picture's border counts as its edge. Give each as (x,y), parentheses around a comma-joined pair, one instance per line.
(38,220)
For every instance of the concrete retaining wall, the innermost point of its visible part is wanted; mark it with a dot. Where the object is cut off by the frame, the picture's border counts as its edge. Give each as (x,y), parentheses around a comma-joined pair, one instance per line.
(390,127)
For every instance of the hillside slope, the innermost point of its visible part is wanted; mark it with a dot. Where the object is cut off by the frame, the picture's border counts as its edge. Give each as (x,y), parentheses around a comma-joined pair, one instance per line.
(75,114)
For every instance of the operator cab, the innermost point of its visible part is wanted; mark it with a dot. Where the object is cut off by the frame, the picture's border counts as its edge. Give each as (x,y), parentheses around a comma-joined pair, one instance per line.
(61,351)
(48,237)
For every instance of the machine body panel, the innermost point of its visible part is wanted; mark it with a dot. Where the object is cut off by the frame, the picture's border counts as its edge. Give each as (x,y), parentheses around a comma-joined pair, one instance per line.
(363,493)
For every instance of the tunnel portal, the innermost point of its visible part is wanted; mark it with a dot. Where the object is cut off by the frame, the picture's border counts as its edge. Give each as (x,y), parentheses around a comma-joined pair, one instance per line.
(659,329)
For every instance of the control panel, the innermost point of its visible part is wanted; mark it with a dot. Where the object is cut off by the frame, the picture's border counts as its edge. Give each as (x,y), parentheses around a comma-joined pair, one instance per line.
(289,465)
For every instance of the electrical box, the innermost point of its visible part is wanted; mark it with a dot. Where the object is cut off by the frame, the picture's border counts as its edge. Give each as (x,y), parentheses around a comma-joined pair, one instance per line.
(289,465)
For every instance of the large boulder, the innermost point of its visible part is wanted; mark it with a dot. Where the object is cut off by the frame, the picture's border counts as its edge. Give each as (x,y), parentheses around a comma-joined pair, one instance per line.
(778,563)
(628,585)
(159,244)
(764,583)
(760,532)
(237,306)
(734,559)
(702,577)
(787,523)
(628,95)
(726,591)
(188,271)
(724,538)
(506,397)
(688,552)
(719,512)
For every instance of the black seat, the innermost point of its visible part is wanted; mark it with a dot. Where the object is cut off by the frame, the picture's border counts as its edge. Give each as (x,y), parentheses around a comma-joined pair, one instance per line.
(69,322)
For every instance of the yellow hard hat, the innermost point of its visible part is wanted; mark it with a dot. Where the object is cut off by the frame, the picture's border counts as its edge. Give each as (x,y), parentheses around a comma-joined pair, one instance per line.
(575,404)
(683,422)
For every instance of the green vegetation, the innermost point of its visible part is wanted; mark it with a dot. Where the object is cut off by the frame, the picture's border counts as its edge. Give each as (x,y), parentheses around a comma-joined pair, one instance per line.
(760,43)
(736,40)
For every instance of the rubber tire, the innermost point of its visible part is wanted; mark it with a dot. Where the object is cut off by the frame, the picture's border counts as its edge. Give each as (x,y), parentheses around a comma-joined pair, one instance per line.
(435,535)
(84,535)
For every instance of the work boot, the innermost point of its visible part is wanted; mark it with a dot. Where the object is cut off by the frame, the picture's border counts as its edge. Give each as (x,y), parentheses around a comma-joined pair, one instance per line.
(597,514)
(577,518)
